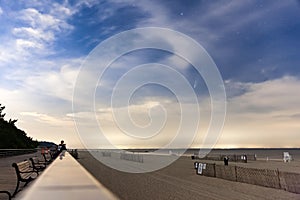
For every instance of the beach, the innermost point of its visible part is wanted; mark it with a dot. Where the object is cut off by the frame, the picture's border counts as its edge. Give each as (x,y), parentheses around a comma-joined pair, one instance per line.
(180,181)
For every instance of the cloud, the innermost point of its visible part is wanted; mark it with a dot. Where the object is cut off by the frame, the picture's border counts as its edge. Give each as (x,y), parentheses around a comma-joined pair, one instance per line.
(235,88)
(242,37)
(273,96)
(40,29)
(25,45)
(62,10)
(37,77)
(265,115)
(50,120)
(25,51)
(28,90)
(46,127)
(57,84)
(35,19)
(41,106)
(33,31)
(143,116)
(34,34)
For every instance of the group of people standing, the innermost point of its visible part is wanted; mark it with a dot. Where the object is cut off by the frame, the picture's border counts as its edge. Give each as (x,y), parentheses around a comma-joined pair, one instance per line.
(57,150)
(243,158)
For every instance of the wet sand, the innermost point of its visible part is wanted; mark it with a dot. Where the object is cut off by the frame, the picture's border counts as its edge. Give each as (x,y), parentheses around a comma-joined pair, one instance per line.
(178,181)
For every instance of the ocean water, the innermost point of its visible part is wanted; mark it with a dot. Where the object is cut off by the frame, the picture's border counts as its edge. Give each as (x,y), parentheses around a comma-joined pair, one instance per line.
(261,153)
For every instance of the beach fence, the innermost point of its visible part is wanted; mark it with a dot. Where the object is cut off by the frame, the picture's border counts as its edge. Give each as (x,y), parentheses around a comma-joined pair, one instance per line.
(135,157)
(225,172)
(263,177)
(106,153)
(232,158)
(290,181)
(73,153)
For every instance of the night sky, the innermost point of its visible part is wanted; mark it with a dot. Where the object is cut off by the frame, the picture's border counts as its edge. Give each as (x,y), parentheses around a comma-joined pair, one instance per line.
(255,45)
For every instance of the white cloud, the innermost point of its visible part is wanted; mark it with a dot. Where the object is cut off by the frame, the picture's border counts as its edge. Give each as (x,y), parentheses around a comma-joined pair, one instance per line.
(7,55)
(152,114)
(32,91)
(48,119)
(39,30)
(273,96)
(45,127)
(57,84)
(34,34)
(36,19)
(40,116)
(265,115)
(62,10)
(235,88)
(24,45)
(1,11)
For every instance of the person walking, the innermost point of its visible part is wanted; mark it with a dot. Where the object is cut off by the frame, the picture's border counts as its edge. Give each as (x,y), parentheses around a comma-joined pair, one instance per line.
(62,149)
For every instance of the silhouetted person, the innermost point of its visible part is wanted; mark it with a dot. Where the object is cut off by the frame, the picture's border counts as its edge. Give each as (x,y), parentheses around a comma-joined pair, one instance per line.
(62,146)
(226,159)
(62,149)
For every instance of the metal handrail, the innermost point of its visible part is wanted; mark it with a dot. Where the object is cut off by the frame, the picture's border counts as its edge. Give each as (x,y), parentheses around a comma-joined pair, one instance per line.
(14,152)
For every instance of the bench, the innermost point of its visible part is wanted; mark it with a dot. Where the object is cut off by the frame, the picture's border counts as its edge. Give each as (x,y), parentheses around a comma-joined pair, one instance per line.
(25,173)
(47,160)
(37,165)
(6,192)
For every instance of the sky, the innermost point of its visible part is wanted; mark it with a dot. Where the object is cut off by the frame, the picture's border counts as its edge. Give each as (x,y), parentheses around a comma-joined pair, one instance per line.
(46,45)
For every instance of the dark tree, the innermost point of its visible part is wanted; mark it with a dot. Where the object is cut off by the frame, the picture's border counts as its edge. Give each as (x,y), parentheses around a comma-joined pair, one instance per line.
(1,109)
(11,137)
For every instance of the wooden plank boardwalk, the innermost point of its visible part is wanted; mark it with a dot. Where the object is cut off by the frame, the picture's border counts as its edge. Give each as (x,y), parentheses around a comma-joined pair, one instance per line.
(8,179)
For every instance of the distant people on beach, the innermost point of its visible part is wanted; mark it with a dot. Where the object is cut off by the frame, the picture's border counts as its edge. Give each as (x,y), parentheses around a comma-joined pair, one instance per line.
(226,159)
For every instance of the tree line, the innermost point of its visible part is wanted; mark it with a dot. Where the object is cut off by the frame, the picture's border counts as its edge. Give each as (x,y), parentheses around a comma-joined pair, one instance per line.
(12,137)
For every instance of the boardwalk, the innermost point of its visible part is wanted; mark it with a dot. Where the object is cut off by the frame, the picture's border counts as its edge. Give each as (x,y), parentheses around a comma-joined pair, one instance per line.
(66,179)
(8,177)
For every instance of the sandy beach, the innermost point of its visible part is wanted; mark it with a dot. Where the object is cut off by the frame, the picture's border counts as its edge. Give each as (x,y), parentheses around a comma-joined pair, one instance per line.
(179,181)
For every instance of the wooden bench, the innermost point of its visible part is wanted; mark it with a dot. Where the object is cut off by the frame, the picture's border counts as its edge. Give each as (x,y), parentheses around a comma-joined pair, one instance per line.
(25,173)
(47,160)
(37,165)
(8,193)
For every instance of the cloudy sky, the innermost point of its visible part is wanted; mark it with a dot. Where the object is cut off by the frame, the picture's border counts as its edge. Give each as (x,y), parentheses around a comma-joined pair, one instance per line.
(254,44)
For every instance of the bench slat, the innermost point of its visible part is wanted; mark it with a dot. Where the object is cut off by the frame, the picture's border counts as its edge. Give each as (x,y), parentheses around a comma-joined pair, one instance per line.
(25,173)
